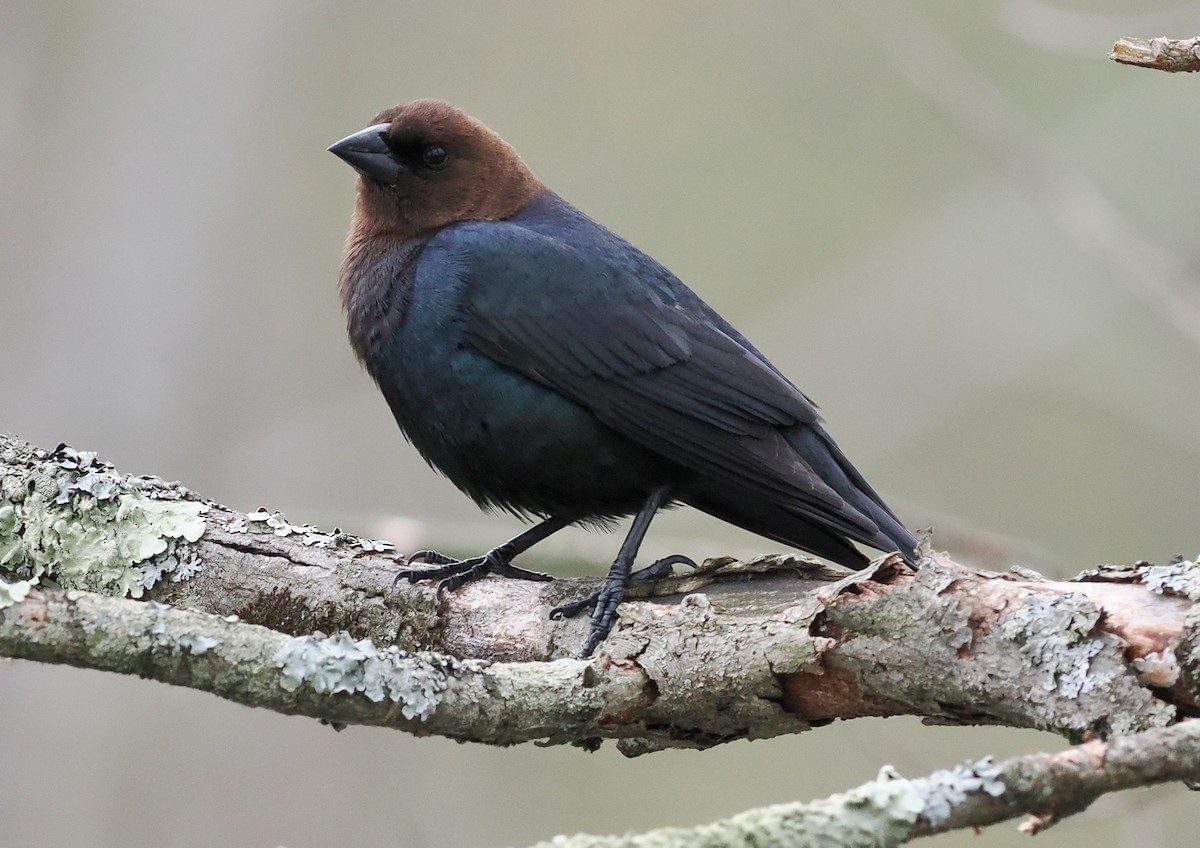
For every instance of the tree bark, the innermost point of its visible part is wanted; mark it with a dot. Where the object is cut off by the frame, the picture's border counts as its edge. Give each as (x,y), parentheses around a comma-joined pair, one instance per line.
(892,810)
(1161,54)
(139,576)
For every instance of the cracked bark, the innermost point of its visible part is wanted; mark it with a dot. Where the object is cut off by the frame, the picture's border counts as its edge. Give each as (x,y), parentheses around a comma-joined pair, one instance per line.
(284,617)
(734,650)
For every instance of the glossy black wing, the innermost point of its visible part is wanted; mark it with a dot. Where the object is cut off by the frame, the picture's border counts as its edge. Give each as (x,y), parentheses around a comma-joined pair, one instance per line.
(617,333)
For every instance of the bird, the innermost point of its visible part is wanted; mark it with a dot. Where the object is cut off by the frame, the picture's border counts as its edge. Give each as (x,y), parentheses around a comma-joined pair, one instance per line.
(552,370)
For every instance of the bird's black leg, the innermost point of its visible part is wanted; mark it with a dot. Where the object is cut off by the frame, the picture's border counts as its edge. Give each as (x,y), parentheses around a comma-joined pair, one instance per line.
(454,573)
(612,591)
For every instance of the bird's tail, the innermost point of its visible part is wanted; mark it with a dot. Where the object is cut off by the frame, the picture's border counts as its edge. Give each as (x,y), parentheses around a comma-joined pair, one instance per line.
(825,458)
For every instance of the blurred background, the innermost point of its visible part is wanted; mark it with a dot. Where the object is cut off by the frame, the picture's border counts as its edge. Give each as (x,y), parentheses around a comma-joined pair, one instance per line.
(959,227)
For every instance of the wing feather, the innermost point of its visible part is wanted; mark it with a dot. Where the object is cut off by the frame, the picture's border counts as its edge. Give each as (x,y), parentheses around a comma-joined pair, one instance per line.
(617,333)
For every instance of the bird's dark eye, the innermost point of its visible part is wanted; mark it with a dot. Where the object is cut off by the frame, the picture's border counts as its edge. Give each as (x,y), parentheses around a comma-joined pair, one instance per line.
(434,156)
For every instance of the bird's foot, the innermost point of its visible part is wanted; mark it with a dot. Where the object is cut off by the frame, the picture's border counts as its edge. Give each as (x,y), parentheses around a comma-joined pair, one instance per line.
(454,573)
(655,571)
(604,601)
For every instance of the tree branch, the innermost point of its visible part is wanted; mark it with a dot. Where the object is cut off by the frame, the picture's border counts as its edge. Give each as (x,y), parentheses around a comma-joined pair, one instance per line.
(335,679)
(733,650)
(891,810)
(1161,54)
(139,576)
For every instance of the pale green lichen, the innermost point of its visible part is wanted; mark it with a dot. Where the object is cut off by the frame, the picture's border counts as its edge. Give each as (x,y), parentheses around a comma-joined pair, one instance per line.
(1181,578)
(178,562)
(97,545)
(1057,635)
(160,632)
(279,525)
(13,593)
(339,663)
(67,519)
(309,535)
(11,547)
(878,814)
(945,789)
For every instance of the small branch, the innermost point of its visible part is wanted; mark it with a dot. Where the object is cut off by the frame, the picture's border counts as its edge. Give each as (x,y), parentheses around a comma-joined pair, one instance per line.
(891,810)
(1161,54)
(1051,787)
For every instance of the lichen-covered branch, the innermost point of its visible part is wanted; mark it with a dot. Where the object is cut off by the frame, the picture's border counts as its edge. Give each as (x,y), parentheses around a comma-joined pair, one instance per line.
(892,810)
(1049,787)
(335,678)
(1161,54)
(243,605)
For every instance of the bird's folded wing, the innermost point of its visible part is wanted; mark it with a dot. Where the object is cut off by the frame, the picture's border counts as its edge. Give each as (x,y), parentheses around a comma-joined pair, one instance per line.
(619,335)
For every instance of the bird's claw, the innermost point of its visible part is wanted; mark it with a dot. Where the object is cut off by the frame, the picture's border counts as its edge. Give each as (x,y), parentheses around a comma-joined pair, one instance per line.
(604,616)
(656,570)
(608,597)
(575,607)
(663,568)
(433,558)
(453,573)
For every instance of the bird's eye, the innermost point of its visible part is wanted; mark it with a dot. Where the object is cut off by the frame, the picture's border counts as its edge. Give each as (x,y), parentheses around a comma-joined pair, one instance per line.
(434,156)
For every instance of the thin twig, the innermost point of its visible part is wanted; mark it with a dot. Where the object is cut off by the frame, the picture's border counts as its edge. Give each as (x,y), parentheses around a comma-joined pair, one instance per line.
(1174,55)
(892,810)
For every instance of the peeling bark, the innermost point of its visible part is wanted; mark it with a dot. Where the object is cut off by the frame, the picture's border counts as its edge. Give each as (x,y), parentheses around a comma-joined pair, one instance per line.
(732,650)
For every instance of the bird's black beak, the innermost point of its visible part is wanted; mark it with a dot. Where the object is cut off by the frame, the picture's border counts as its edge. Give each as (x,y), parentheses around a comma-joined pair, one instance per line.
(366,152)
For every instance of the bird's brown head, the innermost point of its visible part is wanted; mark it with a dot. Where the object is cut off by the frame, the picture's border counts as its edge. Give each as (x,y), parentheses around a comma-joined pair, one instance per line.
(426,164)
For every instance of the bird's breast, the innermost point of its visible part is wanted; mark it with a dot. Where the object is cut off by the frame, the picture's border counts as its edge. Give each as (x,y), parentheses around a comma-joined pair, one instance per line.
(375,283)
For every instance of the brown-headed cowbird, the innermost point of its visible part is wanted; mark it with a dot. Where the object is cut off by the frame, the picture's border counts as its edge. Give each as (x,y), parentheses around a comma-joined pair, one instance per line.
(550,368)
